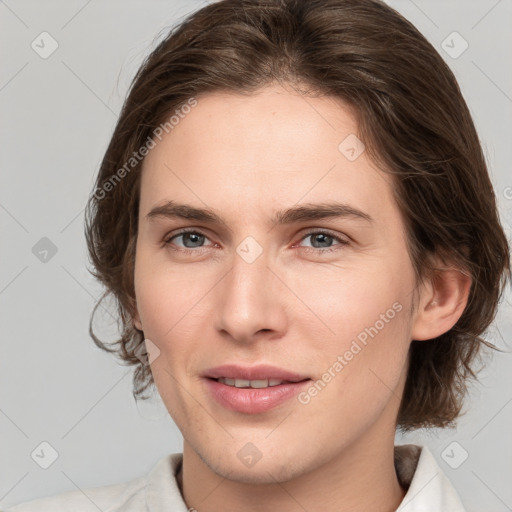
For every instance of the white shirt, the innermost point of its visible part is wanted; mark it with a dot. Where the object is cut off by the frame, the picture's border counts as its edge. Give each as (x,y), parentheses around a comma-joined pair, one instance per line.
(428,489)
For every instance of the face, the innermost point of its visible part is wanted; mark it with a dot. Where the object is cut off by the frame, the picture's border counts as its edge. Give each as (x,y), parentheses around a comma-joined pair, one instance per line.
(272,277)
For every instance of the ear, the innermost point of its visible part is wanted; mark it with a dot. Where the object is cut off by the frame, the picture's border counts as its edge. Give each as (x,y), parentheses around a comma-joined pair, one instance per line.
(443,299)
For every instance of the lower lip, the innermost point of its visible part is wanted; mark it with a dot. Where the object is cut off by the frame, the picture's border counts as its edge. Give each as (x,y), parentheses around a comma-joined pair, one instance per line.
(253,400)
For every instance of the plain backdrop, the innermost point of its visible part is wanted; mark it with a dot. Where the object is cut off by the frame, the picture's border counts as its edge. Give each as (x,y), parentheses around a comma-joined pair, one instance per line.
(57,115)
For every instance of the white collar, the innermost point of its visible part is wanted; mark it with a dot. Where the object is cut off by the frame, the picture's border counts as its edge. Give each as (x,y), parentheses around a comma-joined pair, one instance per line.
(428,487)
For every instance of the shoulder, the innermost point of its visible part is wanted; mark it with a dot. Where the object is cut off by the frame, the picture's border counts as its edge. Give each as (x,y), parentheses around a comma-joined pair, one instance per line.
(91,499)
(123,497)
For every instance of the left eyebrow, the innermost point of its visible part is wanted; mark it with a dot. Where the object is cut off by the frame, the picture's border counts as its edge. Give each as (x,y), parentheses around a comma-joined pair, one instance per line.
(309,211)
(302,213)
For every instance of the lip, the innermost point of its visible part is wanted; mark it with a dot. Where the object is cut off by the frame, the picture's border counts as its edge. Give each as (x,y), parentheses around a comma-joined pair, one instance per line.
(262,371)
(253,400)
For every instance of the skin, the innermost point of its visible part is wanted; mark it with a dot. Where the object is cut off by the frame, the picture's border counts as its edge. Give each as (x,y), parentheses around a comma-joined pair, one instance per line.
(246,157)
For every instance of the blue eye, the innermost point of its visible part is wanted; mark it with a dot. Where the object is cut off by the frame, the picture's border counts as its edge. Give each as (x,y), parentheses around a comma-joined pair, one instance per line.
(324,237)
(195,237)
(196,240)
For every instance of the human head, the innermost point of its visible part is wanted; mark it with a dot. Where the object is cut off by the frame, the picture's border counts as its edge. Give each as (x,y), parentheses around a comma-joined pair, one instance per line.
(415,128)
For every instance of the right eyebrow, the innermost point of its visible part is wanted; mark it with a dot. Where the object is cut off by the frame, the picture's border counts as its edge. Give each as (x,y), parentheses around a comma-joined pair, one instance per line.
(171,209)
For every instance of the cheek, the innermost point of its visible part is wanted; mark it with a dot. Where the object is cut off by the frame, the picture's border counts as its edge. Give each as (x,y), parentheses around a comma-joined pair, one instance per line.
(165,292)
(168,304)
(348,299)
(363,353)
(361,363)
(172,308)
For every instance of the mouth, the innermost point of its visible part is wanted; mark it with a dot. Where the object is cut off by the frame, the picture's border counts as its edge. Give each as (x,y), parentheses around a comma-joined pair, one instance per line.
(255,384)
(262,375)
(244,397)
(253,390)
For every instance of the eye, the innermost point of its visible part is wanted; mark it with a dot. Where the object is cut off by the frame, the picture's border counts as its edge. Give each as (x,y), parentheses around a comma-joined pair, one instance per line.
(193,241)
(193,237)
(322,242)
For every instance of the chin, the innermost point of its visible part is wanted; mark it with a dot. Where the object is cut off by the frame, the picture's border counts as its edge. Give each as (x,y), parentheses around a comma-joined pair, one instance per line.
(269,469)
(264,474)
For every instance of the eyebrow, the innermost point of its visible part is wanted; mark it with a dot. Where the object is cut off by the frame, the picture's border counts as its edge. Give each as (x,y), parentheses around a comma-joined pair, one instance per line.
(303,213)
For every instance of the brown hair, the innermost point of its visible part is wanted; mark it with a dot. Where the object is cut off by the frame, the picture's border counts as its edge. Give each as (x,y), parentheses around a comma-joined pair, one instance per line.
(414,123)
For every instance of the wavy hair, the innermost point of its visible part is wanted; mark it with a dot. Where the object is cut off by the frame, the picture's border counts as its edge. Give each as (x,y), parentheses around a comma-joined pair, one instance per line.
(411,116)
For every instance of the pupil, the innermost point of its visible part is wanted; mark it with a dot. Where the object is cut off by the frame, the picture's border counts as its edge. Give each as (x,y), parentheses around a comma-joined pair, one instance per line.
(198,237)
(321,235)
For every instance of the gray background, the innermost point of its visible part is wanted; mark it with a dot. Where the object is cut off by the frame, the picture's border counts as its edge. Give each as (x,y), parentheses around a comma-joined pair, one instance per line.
(57,116)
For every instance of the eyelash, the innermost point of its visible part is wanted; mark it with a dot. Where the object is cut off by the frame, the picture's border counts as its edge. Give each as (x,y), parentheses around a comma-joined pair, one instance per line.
(167,241)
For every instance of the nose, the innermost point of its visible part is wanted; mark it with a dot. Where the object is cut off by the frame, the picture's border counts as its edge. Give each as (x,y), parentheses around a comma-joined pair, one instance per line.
(251,301)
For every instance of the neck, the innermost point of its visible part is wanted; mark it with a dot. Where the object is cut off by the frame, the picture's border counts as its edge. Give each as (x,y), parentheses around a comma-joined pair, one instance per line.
(358,479)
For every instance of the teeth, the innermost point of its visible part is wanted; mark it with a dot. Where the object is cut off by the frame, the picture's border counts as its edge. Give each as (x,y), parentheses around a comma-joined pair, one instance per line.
(243,383)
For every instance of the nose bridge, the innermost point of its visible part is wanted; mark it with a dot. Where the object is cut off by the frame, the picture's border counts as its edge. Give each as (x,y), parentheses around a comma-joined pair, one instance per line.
(250,299)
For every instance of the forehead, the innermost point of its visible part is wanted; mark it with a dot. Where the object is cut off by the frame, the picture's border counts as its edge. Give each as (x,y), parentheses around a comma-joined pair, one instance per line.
(247,154)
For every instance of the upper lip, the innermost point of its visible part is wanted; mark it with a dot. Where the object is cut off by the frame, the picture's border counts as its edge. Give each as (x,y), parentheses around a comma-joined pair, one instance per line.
(260,372)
